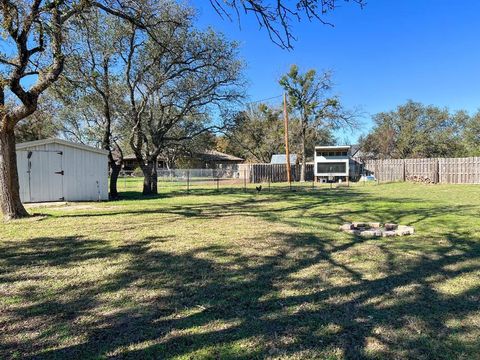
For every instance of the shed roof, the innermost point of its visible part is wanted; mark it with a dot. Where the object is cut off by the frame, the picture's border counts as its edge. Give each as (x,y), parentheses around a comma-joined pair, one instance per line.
(282,159)
(29,144)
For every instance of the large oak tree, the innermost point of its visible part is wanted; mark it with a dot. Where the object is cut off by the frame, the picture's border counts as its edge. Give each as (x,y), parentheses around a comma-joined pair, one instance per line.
(172,88)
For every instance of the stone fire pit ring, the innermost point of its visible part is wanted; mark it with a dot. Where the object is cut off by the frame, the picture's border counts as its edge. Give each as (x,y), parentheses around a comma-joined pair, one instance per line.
(374,230)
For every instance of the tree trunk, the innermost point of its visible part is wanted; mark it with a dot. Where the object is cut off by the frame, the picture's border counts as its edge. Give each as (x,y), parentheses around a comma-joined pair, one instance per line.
(11,205)
(302,169)
(150,179)
(116,168)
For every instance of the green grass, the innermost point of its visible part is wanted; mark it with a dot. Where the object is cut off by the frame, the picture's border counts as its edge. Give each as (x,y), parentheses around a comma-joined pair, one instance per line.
(219,275)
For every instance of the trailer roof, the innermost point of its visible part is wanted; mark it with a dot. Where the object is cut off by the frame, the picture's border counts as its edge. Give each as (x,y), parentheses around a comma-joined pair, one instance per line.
(334,147)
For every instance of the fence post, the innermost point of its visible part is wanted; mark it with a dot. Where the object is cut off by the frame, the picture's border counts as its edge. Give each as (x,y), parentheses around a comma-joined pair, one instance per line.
(218,181)
(188,181)
(270,178)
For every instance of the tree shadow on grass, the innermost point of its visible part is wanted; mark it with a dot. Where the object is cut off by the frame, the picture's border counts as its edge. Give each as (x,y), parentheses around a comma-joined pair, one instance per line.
(302,297)
(334,207)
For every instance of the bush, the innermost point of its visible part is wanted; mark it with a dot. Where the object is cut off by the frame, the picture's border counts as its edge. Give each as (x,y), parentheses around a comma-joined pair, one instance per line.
(137,172)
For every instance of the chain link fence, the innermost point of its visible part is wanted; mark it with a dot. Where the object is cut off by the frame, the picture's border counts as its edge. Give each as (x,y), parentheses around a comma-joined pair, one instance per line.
(197,180)
(191,179)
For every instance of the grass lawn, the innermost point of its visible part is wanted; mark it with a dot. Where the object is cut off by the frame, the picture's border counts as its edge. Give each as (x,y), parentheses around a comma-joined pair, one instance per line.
(219,275)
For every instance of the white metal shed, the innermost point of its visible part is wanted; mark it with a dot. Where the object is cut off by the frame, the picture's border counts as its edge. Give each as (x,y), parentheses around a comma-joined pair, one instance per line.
(59,170)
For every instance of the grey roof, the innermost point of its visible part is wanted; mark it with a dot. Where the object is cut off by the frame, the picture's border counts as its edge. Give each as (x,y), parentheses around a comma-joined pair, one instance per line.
(134,157)
(206,155)
(282,159)
(214,155)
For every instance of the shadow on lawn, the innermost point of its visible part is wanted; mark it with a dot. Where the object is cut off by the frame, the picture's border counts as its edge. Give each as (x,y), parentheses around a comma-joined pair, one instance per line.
(347,204)
(213,298)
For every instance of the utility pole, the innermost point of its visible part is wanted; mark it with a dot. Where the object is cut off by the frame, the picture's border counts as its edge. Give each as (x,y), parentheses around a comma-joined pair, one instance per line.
(287,152)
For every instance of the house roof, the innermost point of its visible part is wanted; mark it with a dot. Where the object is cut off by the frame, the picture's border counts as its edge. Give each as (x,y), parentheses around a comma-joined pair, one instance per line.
(134,157)
(29,144)
(214,155)
(129,157)
(207,155)
(282,159)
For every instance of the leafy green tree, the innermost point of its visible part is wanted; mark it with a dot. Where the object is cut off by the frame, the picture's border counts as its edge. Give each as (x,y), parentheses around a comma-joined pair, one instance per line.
(471,135)
(258,133)
(90,90)
(184,154)
(310,98)
(40,125)
(173,88)
(414,130)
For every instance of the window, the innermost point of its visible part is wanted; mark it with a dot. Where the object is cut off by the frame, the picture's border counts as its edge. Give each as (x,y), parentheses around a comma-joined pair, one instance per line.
(332,153)
(331,167)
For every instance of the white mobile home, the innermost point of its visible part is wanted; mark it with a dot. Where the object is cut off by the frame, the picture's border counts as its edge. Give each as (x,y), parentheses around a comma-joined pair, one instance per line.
(59,170)
(332,163)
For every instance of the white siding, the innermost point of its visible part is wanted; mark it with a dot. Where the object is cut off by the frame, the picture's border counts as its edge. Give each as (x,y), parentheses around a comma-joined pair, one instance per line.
(85,174)
(323,159)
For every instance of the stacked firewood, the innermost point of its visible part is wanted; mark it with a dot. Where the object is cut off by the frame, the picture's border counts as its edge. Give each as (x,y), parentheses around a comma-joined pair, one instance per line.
(420,179)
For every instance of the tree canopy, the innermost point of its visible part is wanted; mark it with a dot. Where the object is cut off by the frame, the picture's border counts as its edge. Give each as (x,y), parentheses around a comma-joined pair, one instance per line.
(415,130)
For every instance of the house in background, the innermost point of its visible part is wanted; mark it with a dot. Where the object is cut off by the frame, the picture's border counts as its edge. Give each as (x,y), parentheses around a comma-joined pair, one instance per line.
(213,159)
(130,163)
(282,159)
(336,163)
(208,159)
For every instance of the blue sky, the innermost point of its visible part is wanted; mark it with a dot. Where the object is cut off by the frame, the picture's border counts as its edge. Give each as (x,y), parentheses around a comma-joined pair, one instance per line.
(383,55)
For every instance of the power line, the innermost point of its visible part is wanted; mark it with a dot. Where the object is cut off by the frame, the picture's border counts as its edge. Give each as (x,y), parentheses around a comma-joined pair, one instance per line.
(257,101)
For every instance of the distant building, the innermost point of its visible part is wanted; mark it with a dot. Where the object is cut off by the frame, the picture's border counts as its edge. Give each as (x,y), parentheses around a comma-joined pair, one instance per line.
(336,163)
(282,159)
(213,159)
(130,163)
(208,159)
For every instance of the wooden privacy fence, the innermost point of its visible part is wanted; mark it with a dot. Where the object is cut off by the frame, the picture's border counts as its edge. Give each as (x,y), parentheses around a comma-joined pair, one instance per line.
(263,173)
(434,170)
(459,170)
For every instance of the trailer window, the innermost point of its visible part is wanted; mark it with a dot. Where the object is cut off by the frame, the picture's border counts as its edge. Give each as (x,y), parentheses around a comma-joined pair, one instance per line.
(331,167)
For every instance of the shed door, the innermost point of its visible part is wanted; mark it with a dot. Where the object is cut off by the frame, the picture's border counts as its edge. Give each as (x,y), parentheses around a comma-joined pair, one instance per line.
(45,176)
